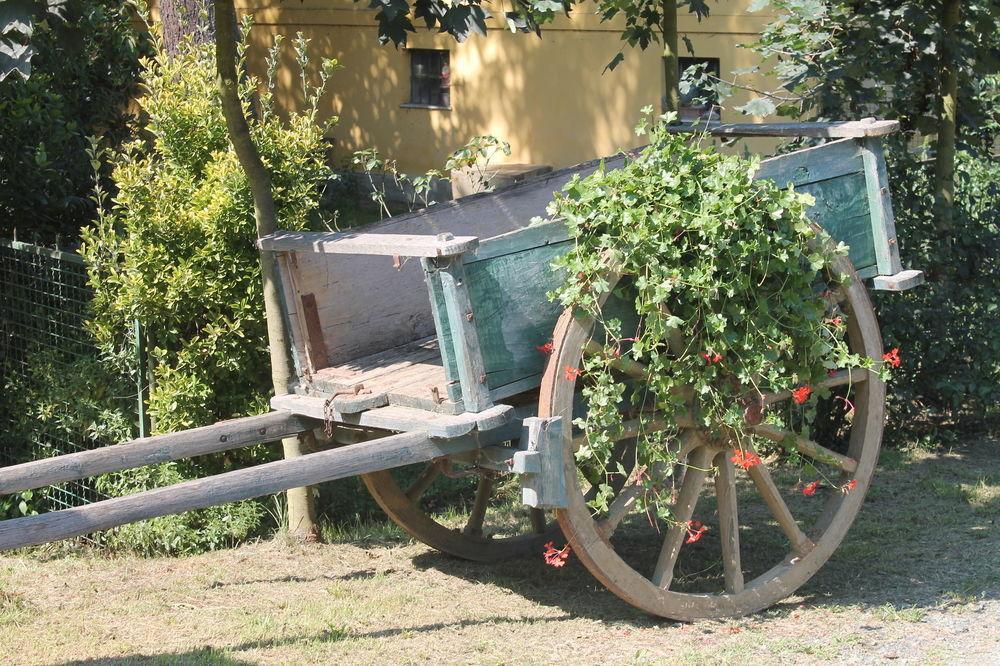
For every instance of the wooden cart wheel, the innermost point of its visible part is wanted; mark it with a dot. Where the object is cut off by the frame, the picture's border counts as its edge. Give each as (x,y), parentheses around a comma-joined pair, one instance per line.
(479,539)
(655,570)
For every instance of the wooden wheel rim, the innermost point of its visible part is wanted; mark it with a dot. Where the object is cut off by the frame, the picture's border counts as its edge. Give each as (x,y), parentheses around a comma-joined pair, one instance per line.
(598,555)
(421,526)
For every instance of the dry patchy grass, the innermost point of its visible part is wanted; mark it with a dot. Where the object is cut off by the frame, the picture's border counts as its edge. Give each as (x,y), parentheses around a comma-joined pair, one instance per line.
(917,581)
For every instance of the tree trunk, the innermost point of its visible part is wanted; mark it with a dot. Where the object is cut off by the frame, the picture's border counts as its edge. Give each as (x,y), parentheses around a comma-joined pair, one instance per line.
(944,163)
(301,512)
(671,73)
(179,18)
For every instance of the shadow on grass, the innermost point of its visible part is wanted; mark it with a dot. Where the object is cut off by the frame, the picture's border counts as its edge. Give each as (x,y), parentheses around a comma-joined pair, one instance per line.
(925,538)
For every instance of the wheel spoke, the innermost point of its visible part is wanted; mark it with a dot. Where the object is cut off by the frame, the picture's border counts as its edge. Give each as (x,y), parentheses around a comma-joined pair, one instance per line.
(801,544)
(807,446)
(423,482)
(841,377)
(636,427)
(474,526)
(687,498)
(729,524)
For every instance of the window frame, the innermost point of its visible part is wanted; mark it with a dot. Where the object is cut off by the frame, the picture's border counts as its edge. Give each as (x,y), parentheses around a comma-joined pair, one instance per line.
(429,86)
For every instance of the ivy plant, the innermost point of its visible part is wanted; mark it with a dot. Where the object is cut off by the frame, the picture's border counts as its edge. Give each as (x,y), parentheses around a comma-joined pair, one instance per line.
(722,281)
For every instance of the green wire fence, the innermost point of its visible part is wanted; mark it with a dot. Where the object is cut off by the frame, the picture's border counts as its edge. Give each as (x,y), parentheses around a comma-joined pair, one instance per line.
(44,299)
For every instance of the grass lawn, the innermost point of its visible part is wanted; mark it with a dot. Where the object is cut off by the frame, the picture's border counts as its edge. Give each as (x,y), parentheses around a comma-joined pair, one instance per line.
(916,581)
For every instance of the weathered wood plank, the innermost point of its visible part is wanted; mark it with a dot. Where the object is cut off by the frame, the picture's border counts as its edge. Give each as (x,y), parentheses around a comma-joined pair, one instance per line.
(811,165)
(394,308)
(514,315)
(380,454)
(350,242)
(880,203)
(222,436)
(313,331)
(847,128)
(394,417)
(901,281)
(462,320)
(443,329)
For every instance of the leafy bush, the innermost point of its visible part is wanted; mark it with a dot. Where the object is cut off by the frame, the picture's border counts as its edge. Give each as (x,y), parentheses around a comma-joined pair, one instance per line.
(85,72)
(949,328)
(720,270)
(176,251)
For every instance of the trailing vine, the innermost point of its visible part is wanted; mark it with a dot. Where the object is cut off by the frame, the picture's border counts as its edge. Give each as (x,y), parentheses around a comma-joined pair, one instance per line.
(722,300)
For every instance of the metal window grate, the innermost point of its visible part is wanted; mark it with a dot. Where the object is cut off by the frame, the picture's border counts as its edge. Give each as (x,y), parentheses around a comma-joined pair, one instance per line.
(430,78)
(43,308)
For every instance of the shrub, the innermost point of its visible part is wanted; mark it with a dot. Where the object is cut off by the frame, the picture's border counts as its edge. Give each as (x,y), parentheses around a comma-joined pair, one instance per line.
(175,249)
(949,328)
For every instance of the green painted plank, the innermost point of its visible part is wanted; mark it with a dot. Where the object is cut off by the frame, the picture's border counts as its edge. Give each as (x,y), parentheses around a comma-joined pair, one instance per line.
(464,324)
(513,314)
(830,160)
(841,208)
(535,235)
(442,328)
(509,276)
(882,221)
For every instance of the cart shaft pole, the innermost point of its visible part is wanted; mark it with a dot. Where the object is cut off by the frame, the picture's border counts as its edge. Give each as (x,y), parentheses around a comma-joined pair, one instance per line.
(222,436)
(380,454)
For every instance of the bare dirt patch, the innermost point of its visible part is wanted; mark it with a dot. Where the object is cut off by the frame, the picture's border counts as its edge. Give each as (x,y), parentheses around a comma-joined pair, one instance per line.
(917,581)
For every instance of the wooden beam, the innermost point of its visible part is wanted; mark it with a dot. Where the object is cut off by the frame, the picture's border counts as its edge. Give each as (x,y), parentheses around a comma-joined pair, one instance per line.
(347,242)
(840,129)
(371,456)
(221,436)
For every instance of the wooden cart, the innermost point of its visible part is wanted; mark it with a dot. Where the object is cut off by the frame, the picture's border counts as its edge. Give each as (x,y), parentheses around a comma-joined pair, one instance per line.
(423,340)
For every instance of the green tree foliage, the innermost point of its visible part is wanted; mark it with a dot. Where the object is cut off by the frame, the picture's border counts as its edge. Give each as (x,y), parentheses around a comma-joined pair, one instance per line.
(83,57)
(176,250)
(845,60)
(839,59)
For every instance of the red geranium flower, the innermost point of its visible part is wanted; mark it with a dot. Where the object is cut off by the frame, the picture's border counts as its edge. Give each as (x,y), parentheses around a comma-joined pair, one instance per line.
(546,348)
(744,459)
(810,488)
(801,394)
(572,373)
(849,486)
(555,557)
(711,357)
(892,357)
(695,529)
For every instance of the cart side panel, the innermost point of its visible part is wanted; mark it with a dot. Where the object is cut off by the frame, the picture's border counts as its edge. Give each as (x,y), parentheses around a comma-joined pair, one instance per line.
(510,275)
(364,305)
(838,176)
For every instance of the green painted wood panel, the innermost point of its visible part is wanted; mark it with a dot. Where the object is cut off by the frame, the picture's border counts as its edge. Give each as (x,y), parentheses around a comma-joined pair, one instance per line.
(510,275)
(512,312)
(842,209)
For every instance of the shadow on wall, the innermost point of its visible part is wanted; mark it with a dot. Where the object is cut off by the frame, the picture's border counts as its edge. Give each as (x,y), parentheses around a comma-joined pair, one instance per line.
(553,108)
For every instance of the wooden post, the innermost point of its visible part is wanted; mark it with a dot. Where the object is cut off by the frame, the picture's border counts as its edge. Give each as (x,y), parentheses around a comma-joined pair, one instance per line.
(274,477)
(461,321)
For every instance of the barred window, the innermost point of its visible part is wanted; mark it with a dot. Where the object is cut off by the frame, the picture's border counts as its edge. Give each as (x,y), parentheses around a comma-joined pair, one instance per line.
(430,78)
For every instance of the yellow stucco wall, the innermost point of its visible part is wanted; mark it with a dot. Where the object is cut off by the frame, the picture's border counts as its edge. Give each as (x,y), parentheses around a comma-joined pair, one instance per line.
(549,96)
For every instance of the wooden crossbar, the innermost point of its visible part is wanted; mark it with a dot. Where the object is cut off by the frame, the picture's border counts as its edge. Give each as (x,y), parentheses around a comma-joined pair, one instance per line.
(222,436)
(836,130)
(370,456)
